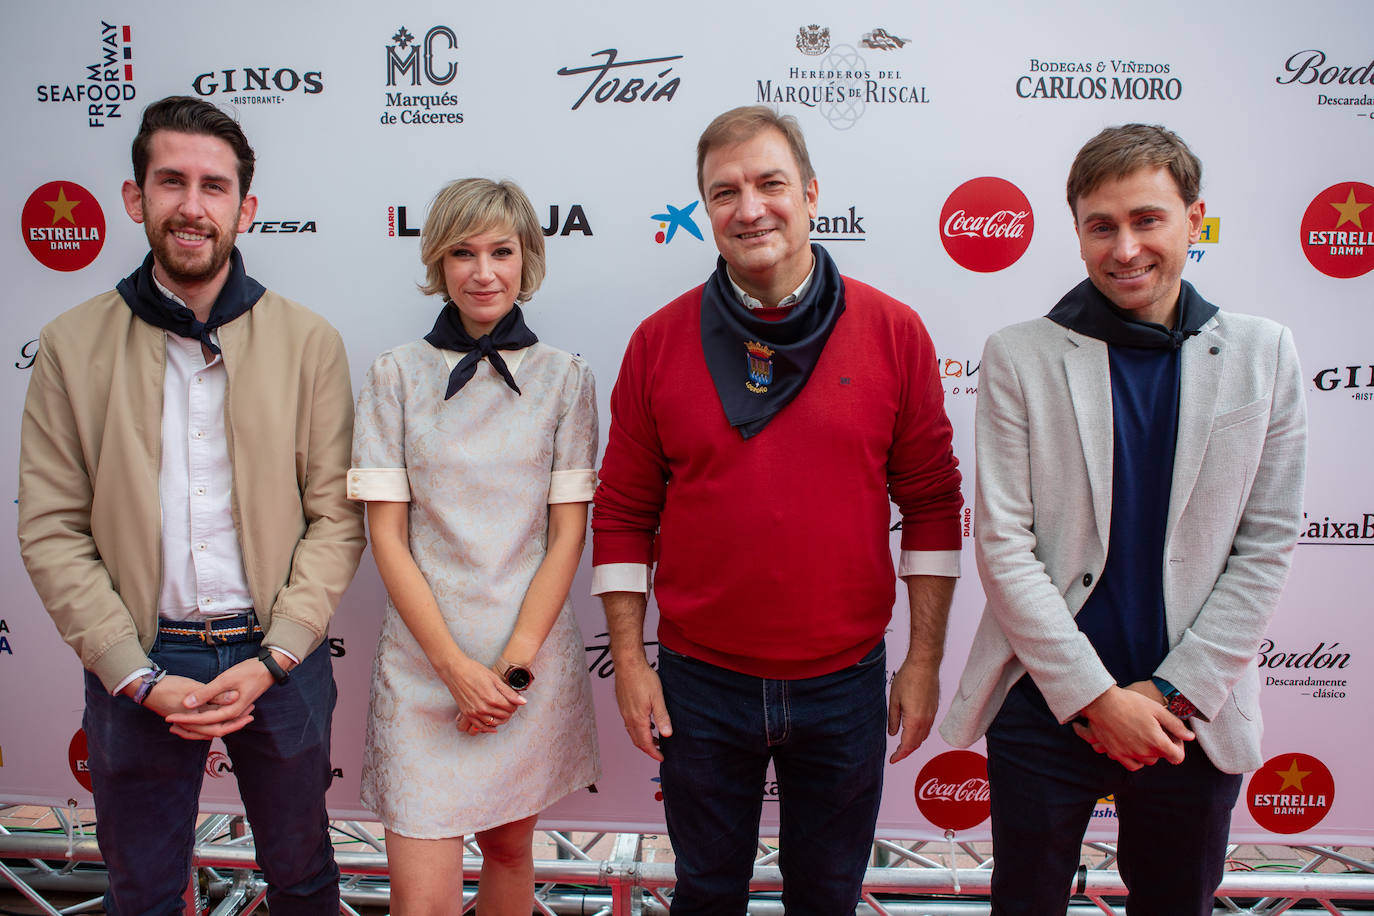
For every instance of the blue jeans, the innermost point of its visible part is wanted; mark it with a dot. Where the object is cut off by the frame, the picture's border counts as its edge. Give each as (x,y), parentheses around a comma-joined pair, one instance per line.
(827,739)
(147,784)
(1172,820)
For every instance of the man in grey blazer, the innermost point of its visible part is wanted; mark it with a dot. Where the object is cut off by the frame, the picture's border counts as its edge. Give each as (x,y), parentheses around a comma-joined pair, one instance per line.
(1139,485)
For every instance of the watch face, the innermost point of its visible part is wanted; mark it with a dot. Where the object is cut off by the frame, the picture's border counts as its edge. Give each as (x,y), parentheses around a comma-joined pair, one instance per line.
(518,678)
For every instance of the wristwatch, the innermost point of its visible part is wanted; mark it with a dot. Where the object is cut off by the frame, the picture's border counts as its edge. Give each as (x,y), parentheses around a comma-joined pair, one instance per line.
(518,677)
(279,674)
(147,682)
(1174,700)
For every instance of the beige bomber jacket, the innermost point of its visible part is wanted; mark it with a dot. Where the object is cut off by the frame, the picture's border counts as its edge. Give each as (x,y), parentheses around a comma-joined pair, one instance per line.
(90,452)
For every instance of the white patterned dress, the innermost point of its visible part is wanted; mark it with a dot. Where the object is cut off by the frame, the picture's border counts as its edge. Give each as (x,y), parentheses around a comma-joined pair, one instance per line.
(479,471)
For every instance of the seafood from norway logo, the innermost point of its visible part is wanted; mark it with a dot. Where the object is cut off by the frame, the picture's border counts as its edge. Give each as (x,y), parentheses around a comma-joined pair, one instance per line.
(63,225)
(1290,793)
(986,224)
(760,365)
(1333,233)
(952,790)
(109,82)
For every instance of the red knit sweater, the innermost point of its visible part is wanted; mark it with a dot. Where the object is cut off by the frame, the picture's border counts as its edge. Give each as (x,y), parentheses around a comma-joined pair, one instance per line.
(773,554)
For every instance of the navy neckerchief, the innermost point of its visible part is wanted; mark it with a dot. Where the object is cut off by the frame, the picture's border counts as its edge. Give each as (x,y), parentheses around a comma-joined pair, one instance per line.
(1084,309)
(510,333)
(240,293)
(760,366)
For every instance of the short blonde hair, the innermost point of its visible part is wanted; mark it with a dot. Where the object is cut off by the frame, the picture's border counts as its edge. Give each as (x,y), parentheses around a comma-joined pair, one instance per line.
(472,206)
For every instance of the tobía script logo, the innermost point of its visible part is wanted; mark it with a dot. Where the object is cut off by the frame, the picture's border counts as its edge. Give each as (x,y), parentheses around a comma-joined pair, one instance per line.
(1290,793)
(107,87)
(1337,233)
(952,790)
(986,224)
(258,85)
(63,225)
(415,69)
(629,84)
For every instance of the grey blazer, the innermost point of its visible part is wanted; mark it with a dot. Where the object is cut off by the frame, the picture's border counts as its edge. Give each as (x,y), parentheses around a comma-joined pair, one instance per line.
(1043,514)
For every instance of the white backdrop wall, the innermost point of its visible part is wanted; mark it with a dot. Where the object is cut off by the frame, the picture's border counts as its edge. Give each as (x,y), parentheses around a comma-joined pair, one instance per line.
(354,136)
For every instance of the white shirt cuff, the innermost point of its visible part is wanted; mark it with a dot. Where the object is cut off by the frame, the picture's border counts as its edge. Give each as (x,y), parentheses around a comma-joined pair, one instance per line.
(620,577)
(572,486)
(132,677)
(290,655)
(929,563)
(383,485)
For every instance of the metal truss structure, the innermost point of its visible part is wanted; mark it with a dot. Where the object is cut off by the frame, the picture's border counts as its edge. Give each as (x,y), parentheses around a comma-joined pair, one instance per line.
(918,878)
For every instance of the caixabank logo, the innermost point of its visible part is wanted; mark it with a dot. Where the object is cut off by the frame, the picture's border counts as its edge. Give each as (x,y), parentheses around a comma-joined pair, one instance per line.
(420,71)
(986,224)
(1291,793)
(102,94)
(1337,232)
(839,226)
(63,225)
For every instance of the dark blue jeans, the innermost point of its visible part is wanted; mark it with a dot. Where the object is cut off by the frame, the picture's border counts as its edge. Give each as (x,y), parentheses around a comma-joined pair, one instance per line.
(827,739)
(1172,820)
(147,785)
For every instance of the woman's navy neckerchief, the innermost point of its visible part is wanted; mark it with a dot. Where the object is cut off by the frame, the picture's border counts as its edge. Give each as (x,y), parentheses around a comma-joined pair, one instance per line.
(510,333)
(759,366)
(240,293)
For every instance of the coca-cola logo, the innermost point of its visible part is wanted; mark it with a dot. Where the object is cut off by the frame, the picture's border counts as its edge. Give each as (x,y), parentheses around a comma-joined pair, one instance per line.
(1338,230)
(952,790)
(986,224)
(1291,793)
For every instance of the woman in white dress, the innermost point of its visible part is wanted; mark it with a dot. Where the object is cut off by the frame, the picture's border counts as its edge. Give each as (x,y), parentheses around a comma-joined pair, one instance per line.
(475,449)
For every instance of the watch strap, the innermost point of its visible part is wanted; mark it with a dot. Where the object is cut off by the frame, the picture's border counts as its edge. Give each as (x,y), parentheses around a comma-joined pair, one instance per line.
(279,674)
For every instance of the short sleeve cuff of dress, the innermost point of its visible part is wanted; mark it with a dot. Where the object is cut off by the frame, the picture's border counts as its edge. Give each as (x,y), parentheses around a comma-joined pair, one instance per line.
(384,485)
(620,577)
(572,486)
(929,563)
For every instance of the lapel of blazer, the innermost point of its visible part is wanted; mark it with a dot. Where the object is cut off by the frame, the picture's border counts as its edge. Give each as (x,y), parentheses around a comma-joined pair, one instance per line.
(1198,387)
(1090,392)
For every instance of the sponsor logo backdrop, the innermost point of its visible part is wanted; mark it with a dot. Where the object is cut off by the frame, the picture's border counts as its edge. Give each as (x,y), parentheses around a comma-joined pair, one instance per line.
(359,117)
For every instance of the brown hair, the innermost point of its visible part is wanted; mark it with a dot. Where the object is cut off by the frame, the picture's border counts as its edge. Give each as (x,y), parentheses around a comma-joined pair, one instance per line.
(1118,151)
(740,124)
(187,115)
(472,206)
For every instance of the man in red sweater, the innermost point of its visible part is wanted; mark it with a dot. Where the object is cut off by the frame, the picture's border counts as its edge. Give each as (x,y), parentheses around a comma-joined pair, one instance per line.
(760,427)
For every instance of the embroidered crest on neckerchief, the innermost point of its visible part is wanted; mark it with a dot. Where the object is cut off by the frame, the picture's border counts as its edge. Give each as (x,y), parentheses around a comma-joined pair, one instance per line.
(760,360)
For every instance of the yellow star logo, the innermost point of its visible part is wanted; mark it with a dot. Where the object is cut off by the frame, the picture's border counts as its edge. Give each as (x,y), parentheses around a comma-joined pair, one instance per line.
(62,208)
(1293,777)
(1350,211)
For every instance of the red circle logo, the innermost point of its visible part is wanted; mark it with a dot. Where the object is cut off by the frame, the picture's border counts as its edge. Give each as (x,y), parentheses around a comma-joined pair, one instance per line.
(78,758)
(986,224)
(1337,232)
(952,790)
(1290,793)
(63,225)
